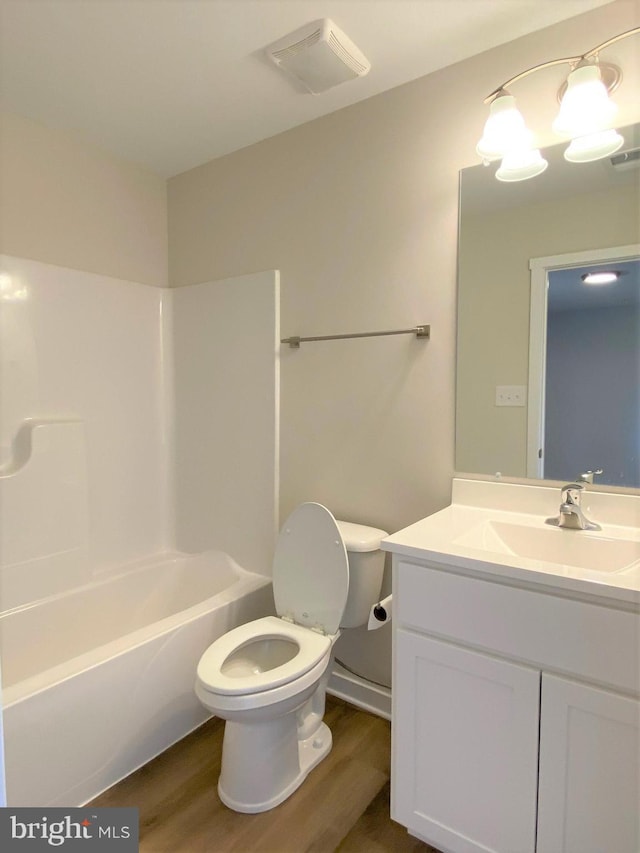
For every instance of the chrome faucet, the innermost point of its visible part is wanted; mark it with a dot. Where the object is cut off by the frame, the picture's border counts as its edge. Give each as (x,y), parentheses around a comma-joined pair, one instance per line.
(571,516)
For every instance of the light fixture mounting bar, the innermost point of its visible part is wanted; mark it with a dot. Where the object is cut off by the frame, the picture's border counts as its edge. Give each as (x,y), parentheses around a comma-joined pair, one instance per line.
(567,60)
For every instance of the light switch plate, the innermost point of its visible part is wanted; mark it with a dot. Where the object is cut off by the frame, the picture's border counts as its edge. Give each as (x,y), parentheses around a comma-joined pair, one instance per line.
(511,395)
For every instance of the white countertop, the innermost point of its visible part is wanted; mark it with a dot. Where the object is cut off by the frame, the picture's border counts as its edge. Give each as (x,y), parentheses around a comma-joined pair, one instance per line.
(466,537)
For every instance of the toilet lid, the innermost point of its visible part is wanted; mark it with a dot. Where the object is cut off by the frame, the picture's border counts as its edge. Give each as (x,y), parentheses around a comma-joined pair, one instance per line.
(311,569)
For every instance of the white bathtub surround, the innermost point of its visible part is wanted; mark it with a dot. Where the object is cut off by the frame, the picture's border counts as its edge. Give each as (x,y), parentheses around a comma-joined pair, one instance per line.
(166,416)
(78,718)
(177,395)
(86,347)
(3,790)
(102,465)
(226,386)
(43,499)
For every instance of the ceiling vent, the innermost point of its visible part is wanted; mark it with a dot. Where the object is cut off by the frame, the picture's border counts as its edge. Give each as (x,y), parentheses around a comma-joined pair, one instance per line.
(626,160)
(319,55)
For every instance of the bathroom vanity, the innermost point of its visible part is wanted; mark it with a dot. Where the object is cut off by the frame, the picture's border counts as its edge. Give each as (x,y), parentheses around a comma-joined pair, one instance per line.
(516,674)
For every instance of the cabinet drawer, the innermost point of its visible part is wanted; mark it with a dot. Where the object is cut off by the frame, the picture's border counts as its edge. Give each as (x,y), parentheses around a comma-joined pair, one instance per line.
(587,640)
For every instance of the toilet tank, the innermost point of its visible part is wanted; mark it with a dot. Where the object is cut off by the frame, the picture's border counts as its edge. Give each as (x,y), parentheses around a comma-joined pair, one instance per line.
(366,567)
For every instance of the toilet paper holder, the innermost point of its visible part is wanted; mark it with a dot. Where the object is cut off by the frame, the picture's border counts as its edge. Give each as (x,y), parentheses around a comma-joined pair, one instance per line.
(380,614)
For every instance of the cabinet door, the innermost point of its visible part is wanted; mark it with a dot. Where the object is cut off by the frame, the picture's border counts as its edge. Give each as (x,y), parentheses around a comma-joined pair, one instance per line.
(465,747)
(589,770)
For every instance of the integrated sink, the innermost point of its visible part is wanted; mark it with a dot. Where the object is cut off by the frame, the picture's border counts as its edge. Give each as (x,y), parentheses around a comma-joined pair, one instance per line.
(498,530)
(577,548)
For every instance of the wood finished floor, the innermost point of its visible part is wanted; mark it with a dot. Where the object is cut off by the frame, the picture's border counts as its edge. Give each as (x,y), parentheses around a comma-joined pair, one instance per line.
(343,805)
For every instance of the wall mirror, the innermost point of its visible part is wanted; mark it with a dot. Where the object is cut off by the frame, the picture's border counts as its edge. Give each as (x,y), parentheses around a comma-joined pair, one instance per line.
(548,367)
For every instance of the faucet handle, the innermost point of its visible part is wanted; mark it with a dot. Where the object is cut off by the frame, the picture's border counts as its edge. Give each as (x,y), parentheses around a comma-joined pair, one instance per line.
(587,476)
(572,492)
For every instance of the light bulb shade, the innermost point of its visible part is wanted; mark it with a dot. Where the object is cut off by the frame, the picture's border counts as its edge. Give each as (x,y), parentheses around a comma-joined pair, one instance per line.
(595,146)
(504,130)
(521,165)
(586,107)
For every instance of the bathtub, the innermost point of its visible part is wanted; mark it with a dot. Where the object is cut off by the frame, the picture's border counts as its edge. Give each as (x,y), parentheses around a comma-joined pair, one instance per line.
(100,679)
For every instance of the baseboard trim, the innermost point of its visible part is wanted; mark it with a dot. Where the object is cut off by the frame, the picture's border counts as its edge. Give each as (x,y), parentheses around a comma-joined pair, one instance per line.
(360,692)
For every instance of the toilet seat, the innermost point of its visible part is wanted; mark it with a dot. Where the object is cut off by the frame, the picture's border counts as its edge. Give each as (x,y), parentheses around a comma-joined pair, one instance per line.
(310,587)
(312,647)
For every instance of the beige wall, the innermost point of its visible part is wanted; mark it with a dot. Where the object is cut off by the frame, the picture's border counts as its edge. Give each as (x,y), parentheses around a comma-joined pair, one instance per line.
(342,207)
(64,201)
(359,212)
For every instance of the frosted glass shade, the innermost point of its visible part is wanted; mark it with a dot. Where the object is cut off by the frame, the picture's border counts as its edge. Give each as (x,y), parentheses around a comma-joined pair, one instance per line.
(521,165)
(586,107)
(595,146)
(504,130)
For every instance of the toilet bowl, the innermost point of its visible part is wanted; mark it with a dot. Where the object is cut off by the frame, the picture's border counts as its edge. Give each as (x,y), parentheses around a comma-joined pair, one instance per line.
(267,679)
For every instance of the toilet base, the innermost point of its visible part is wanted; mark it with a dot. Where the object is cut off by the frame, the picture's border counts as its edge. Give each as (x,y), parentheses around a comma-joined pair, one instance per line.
(310,751)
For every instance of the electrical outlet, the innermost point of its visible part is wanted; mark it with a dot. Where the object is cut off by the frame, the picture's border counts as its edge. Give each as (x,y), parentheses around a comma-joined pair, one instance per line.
(511,395)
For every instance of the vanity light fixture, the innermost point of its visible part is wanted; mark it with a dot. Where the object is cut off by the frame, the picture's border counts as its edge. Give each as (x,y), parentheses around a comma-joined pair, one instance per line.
(585,117)
(601,277)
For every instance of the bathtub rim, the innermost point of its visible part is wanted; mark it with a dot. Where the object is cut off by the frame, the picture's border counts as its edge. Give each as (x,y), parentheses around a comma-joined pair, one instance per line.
(244,583)
(106,575)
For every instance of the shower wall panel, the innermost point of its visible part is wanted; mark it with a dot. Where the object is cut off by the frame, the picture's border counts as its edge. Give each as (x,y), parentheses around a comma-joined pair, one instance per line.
(226,387)
(82,350)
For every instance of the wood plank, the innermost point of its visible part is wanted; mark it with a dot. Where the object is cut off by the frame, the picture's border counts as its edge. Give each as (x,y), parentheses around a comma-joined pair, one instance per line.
(375,832)
(342,805)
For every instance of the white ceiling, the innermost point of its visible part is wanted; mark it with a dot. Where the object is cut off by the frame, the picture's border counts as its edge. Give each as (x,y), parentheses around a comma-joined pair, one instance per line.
(171,84)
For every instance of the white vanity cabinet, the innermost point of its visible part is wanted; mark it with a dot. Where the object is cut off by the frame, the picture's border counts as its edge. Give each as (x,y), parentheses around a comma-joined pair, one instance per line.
(515,714)
(589,797)
(465,747)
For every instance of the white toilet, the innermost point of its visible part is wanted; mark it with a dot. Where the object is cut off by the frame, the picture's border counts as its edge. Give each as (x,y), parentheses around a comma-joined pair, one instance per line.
(268,678)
